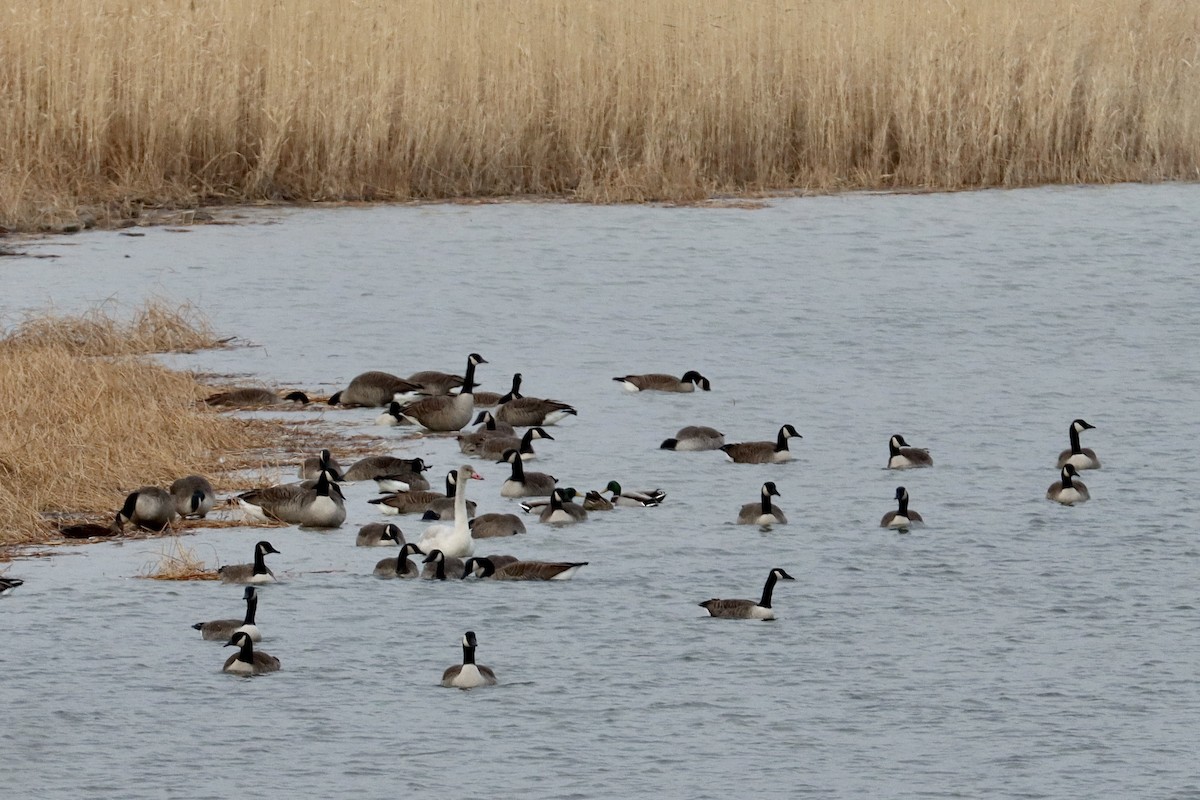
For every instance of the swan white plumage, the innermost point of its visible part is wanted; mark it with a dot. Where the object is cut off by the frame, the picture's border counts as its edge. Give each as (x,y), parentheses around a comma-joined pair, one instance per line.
(453,540)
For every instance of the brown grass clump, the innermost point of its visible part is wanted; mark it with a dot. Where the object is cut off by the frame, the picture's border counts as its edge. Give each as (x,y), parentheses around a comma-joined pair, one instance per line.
(157,327)
(178,563)
(616,101)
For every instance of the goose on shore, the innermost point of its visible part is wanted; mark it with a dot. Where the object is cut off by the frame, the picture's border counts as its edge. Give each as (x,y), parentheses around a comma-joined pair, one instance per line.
(312,467)
(440,567)
(495,446)
(490,399)
(256,572)
(149,507)
(448,412)
(901,456)
(391,416)
(775,452)
(493,526)
(561,511)
(763,512)
(748,609)
(453,540)
(379,534)
(903,517)
(194,496)
(468,674)
(1068,489)
(249,396)
(634,498)
(321,506)
(219,630)
(400,566)
(1078,457)
(694,438)
(522,483)
(483,567)
(246,661)
(372,468)
(660,382)
(375,389)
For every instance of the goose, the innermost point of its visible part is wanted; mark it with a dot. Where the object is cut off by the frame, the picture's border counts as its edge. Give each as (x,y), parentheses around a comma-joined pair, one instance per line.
(378,534)
(495,446)
(257,572)
(659,382)
(775,452)
(449,412)
(522,570)
(439,567)
(748,609)
(246,661)
(488,428)
(406,502)
(149,507)
(901,456)
(634,498)
(400,566)
(375,389)
(902,517)
(220,630)
(594,501)
(251,396)
(320,506)
(538,503)
(468,674)
(762,512)
(526,411)
(1076,456)
(522,483)
(373,468)
(445,505)
(392,416)
(453,540)
(313,466)
(434,383)
(693,438)
(491,526)
(1068,490)
(8,584)
(560,511)
(489,399)
(194,496)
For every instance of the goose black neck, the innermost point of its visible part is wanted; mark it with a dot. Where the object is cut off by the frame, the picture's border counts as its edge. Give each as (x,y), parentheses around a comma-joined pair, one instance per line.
(197,499)
(518,469)
(451,486)
(893,448)
(781,441)
(402,559)
(468,385)
(1067,481)
(251,607)
(766,503)
(903,501)
(440,568)
(130,504)
(1075,449)
(767,590)
(468,654)
(260,564)
(526,443)
(487,565)
(247,651)
(323,484)
(556,501)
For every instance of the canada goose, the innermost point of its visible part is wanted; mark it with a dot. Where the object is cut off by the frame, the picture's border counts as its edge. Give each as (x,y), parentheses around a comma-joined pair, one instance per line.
(434,383)
(748,609)
(538,503)
(1068,490)
(522,570)
(251,396)
(406,502)
(1076,456)
(439,567)
(219,630)
(149,507)
(522,483)
(407,470)
(468,674)
(775,452)
(634,498)
(313,466)
(525,411)
(321,506)
(495,446)
(453,540)
(659,382)
(8,584)
(489,399)
(449,412)
(762,512)
(246,661)
(491,526)
(444,506)
(194,496)
(594,501)
(901,456)
(257,572)
(902,517)
(693,438)
(400,566)
(392,416)
(375,389)
(560,511)
(379,534)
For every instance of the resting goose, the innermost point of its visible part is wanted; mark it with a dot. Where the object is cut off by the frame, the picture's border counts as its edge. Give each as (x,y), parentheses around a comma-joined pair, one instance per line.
(252,396)
(522,483)
(1068,490)
(375,389)
(219,630)
(400,566)
(8,584)
(693,438)
(634,498)
(748,609)
(901,456)
(379,534)
(313,466)
(246,661)
(492,526)
(1078,457)
(434,383)
(407,502)
(374,467)
(661,382)
(149,507)
(449,412)
(321,506)
(194,496)
(522,570)
(495,446)
(453,540)
(468,674)
(775,452)
(561,511)
(489,399)
(392,416)
(526,411)
(439,567)
(257,572)
(762,512)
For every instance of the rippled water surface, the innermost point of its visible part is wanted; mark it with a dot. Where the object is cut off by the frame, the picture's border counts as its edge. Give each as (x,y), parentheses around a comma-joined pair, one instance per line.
(1011,648)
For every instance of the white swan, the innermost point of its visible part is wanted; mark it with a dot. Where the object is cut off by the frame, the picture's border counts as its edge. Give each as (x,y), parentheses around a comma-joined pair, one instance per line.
(453,540)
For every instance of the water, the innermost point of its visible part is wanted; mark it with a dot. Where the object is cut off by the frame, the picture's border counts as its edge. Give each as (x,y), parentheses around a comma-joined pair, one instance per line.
(1011,648)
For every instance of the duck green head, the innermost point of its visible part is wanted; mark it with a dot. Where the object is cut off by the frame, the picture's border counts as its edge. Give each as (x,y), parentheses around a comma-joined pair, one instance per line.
(613,487)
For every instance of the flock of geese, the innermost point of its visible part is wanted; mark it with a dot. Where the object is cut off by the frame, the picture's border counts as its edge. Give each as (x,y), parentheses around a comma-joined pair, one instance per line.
(444,403)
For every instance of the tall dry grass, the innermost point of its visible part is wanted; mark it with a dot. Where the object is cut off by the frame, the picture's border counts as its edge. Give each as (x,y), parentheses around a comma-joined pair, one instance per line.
(124,103)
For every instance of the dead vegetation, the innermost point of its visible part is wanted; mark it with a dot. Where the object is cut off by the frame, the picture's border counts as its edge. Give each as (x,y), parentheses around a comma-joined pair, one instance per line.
(177,562)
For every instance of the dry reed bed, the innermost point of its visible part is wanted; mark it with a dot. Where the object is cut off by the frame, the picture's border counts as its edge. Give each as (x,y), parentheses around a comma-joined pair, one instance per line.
(125,104)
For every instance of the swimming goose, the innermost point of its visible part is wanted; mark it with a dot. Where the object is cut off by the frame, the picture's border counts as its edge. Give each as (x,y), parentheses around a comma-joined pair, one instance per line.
(219,630)
(901,456)
(445,505)
(321,506)
(522,483)
(257,572)
(489,399)
(468,674)
(526,411)
(659,382)
(407,470)
(149,507)
(634,498)
(379,534)
(522,570)
(762,512)
(1068,490)
(439,567)
(775,452)
(748,609)
(406,502)
(8,584)
(194,496)
(594,501)
(453,540)
(449,412)
(246,661)
(561,511)
(902,517)
(434,383)
(538,503)
(495,446)
(313,466)
(693,438)
(493,525)
(251,396)
(375,389)
(400,566)
(1076,456)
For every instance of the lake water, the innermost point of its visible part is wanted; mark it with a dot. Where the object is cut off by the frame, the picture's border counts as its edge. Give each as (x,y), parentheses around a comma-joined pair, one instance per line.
(1011,648)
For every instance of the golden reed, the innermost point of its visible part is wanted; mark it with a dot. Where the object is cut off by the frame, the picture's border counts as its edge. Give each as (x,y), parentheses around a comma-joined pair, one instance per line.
(116,104)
